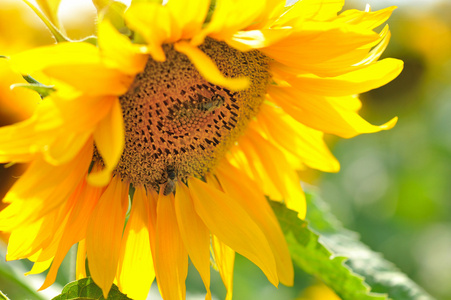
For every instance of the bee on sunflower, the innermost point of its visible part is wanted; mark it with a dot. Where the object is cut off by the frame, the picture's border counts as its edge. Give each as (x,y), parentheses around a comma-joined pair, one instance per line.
(163,136)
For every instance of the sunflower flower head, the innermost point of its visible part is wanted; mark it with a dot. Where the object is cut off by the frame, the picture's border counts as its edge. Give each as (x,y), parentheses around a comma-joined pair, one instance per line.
(196,111)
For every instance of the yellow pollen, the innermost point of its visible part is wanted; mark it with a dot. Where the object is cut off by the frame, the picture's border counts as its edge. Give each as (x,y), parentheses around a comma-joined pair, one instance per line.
(177,124)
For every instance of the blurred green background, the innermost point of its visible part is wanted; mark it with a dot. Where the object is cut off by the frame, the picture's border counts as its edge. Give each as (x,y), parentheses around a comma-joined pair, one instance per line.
(394,187)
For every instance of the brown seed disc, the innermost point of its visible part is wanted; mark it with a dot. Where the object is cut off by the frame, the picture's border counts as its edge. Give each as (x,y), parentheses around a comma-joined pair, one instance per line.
(176,121)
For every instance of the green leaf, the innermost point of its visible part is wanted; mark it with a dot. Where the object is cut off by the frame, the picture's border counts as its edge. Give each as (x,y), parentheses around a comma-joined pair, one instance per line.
(381,275)
(314,258)
(86,289)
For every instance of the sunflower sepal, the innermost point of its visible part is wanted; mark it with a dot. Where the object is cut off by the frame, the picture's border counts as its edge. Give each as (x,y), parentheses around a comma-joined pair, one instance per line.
(34,85)
(43,90)
(57,34)
(93,40)
(113,11)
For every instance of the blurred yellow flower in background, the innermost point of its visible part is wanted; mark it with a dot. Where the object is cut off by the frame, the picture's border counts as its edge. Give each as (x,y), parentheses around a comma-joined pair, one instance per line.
(17,104)
(20,30)
(318,292)
(433,38)
(198,111)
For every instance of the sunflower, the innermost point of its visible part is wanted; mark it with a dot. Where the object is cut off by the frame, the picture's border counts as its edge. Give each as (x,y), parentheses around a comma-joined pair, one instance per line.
(165,134)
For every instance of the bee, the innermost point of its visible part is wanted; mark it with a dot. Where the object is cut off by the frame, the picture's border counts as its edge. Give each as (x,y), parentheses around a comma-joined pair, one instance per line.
(200,108)
(215,102)
(171,181)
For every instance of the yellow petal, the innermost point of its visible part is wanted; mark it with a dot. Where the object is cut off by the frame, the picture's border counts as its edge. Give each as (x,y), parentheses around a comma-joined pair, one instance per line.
(84,113)
(118,52)
(48,128)
(226,219)
(87,72)
(209,70)
(152,197)
(80,266)
(230,17)
(41,58)
(35,256)
(225,259)
(329,115)
(257,168)
(310,10)
(39,267)
(189,16)
(365,19)
(93,79)
(100,4)
(65,147)
(239,186)
(300,140)
(42,247)
(356,82)
(154,23)
(50,247)
(256,39)
(28,239)
(194,233)
(321,42)
(20,142)
(42,188)
(273,10)
(60,217)
(104,234)
(348,61)
(377,51)
(243,158)
(110,141)
(135,272)
(275,166)
(171,257)
(75,229)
